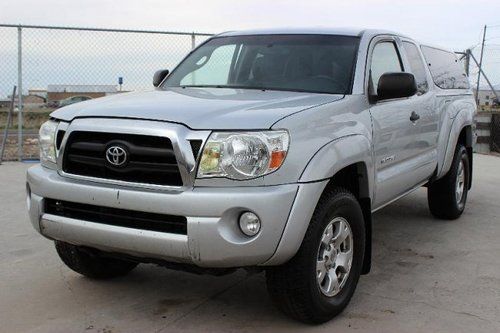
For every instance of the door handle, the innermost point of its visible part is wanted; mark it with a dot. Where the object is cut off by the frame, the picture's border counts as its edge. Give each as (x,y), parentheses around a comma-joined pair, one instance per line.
(414,116)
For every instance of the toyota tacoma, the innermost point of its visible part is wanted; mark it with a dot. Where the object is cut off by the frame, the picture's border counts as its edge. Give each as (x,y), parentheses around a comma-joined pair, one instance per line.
(265,150)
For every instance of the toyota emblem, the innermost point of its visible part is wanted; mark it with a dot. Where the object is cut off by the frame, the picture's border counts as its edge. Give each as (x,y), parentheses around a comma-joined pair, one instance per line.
(116,156)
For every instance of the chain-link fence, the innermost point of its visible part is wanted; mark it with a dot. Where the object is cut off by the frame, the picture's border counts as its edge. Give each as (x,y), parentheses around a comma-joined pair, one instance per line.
(55,66)
(482,64)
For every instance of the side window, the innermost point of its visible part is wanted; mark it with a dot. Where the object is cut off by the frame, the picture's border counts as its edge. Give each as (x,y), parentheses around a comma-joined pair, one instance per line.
(417,67)
(446,71)
(385,58)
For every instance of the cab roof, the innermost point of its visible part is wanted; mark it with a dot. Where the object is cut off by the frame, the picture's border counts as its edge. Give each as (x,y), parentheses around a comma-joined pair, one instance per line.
(356,32)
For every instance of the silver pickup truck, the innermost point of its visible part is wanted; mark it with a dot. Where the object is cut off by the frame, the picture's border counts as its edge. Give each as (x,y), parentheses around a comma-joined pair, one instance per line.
(265,150)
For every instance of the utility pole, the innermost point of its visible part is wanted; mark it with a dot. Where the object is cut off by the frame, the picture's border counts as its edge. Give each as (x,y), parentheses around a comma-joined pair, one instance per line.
(480,65)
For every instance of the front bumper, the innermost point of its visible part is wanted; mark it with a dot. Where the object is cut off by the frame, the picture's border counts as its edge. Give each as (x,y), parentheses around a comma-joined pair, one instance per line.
(213,237)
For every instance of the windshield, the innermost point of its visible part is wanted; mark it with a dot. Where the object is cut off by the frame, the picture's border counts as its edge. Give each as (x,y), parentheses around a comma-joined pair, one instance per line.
(309,63)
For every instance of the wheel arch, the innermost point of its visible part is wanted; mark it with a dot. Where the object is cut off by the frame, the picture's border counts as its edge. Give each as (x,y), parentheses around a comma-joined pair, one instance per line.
(466,138)
(456,128)
(460,134)
(354,178)
(345,162)
(342,155)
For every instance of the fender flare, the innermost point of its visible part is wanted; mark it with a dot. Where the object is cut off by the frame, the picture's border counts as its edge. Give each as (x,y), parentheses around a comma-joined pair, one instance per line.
(325,163)
(338,154)
(462,120)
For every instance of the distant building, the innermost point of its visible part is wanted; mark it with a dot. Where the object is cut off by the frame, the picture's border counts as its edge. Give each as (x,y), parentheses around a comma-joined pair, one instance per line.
(58,92)
(29,101)
(4,103)
(487,96)
(38,92)
(33,101)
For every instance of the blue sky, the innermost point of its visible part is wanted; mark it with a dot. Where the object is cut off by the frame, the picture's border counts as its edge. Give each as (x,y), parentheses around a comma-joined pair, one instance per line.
(452,24)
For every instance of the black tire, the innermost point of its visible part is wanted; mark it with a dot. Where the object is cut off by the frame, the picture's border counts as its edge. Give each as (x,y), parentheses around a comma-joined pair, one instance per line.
(90,265)
(441,194)
(294,288)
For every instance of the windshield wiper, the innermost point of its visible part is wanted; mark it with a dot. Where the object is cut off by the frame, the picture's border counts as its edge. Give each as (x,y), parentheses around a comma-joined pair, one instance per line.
(222,86)
(202,86)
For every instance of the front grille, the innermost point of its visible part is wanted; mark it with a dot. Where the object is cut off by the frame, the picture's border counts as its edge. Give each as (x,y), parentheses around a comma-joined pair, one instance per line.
(118,217)
(195,147)
(59,138)
(149,159)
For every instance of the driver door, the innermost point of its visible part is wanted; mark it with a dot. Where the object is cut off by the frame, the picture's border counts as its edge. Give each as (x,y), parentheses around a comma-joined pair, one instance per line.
(395,155)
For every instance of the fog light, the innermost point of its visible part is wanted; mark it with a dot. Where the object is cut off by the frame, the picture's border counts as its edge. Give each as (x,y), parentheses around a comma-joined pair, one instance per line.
(249,224)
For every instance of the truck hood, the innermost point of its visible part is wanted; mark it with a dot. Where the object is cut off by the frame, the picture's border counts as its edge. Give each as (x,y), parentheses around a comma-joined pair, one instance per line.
(200,108)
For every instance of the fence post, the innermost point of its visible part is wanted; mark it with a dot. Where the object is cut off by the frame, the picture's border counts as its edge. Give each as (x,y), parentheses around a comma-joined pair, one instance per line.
(20,93)
(7,125)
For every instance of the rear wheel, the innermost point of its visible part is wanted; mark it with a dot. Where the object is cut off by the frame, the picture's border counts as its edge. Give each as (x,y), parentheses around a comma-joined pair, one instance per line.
(318,283)
(92,265)
(448,195)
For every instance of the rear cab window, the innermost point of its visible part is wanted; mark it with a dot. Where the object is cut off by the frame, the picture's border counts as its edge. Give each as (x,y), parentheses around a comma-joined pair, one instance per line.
(446,71)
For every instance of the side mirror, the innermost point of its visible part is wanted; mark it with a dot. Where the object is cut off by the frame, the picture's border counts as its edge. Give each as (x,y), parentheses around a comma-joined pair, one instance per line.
(160,76)
(396,85)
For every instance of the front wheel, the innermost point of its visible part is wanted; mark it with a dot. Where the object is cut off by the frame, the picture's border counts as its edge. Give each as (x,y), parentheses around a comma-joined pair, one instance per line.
(319,281)
(448,195)
(92,265)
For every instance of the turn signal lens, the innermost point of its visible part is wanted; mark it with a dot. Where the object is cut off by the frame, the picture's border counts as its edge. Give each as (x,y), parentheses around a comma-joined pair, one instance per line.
(277,158)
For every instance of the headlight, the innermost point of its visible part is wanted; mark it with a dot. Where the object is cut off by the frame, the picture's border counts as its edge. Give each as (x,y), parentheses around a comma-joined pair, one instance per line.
(243,155)
(47,139)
